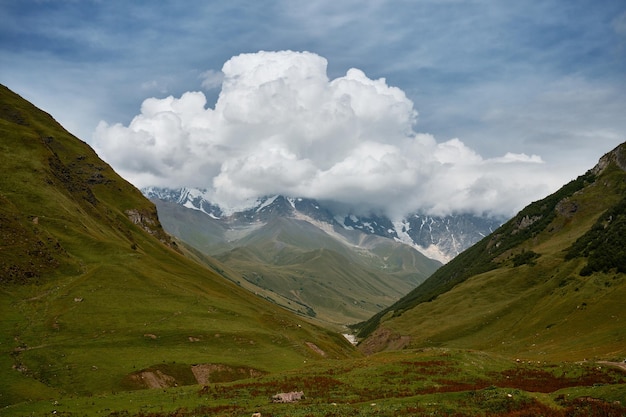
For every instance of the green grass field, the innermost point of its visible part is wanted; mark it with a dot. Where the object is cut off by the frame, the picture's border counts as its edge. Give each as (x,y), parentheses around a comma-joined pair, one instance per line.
(425,382)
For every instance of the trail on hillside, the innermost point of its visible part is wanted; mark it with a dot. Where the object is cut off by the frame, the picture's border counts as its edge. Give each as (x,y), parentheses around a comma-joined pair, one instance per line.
(621,365)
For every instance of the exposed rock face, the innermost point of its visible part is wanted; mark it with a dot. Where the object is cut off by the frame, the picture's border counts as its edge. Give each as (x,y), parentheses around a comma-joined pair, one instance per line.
(527,221)
(384,339)
(149,221)
(567,208)
(143,219)
(161,376)
(206,373)
(617,155)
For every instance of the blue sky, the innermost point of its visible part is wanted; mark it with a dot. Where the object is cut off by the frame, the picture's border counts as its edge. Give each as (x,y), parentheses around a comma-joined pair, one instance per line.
(544,78)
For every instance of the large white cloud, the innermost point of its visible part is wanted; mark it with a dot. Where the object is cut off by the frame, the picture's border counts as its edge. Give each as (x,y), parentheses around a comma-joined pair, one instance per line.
(281,126)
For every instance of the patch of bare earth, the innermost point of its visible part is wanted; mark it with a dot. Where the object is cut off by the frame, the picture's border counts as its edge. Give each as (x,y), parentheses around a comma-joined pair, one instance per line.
(215,372)
(153,379)
(621,365)
(316,349)
(383,339)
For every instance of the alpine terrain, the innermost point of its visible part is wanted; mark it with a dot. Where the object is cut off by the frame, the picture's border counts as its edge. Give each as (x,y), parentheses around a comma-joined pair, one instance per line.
(102,313)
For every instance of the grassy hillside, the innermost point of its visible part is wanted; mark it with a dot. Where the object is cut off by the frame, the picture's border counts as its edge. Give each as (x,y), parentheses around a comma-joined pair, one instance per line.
(95,297)
(548,283)
(336,284)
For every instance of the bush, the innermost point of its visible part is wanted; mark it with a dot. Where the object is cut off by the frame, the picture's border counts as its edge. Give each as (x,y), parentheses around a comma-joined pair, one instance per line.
(604,244)
(526,257)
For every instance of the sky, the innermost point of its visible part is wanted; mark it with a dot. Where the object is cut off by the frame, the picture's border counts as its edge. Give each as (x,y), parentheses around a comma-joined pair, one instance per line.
(392,106)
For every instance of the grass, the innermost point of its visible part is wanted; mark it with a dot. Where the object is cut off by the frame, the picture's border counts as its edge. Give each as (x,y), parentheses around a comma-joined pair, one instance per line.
(128,320)
(526,312)
(411,383)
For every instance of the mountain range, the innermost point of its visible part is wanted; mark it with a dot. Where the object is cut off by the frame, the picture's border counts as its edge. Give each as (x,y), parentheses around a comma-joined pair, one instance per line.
(437,237)
(302,254)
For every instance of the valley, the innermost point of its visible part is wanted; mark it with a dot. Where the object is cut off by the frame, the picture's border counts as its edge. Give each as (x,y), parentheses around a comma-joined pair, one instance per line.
(339,269)
(115,305)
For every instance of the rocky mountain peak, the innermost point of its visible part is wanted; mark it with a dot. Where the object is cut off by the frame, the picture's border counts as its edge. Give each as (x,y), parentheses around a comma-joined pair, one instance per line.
(617,156)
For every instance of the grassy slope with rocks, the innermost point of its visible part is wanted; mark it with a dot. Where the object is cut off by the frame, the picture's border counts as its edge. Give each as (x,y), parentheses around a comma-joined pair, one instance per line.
(93,291)
(526,289)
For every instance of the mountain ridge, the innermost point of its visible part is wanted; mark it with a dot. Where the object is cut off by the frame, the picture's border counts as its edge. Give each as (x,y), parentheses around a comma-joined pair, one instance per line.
(373,261)
(438,237)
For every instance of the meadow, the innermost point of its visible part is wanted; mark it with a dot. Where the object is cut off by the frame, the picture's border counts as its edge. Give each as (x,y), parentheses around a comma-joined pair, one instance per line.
(421,382)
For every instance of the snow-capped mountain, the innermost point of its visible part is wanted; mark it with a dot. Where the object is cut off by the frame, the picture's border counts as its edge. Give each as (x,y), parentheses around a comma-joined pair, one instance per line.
(440,238)
(317,258)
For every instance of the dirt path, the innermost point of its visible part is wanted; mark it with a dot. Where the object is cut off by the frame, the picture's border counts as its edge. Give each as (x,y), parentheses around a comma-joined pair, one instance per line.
(621,365)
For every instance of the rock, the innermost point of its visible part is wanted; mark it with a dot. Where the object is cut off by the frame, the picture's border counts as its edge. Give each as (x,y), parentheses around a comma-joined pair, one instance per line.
(288,397)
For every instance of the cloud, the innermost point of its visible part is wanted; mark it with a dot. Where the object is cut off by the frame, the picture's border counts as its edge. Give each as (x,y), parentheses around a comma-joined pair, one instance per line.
(281,126)
(211,79)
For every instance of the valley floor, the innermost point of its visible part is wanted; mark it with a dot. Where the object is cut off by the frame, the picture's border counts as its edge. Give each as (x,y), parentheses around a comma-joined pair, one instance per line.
(440,382)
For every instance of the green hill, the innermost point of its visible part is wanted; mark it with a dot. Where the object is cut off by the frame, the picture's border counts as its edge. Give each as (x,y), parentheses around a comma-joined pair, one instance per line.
(549,283)
(96,298)
(334,278)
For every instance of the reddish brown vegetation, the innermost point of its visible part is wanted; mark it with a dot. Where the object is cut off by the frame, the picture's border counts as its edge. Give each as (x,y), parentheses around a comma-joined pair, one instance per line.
(199,411)
(314,386)
(537,380)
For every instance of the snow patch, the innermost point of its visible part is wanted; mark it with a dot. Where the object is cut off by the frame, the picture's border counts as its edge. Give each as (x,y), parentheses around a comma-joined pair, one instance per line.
(341,221)
(188,204)
(325,227)
(266,203)
(432,251)
(350,338)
